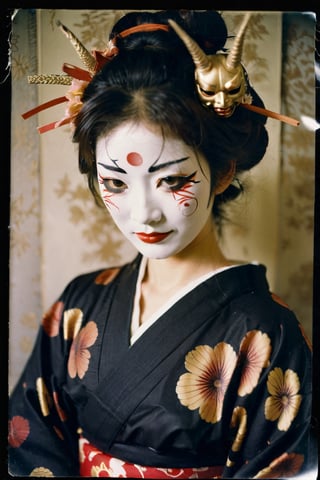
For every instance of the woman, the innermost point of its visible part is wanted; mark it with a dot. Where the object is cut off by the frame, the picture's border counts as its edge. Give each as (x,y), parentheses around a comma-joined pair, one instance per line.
(180,363)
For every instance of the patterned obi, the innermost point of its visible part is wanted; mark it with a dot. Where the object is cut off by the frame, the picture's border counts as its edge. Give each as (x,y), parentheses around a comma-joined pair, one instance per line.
(95,463)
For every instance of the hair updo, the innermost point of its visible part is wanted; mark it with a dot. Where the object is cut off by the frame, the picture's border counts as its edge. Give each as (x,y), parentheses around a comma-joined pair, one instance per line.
(151,80)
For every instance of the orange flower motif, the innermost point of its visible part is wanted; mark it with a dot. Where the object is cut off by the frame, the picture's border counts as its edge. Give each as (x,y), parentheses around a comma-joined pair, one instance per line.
(79,356)
(72,320)
(107,276)
(51,320)
(19,430)
(287,465)
(210,374)
(74,105)
(284,402)
(61,412)
(58,432)
(255,350)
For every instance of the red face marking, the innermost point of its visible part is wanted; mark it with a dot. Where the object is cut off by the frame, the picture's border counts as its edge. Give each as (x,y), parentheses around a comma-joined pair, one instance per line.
(186,199)
(134,159)
(106,196)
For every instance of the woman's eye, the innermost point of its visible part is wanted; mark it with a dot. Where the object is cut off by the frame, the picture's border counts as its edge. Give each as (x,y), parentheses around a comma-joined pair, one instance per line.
(175,182)
(114,185)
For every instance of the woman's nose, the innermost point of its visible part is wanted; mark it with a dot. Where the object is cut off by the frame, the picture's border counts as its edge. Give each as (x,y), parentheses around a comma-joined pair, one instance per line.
(143,209)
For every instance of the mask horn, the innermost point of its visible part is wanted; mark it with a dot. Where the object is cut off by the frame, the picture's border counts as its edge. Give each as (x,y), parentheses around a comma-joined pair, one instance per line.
(87,59)
(234,56)
(200,59)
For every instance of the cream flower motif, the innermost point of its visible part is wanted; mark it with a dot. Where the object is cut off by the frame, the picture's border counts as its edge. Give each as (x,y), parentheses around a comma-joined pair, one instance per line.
(41,472)
(255,350)
(210,374)
(44,397)
(72,320)
(284,402)
(79,356)
(239,418)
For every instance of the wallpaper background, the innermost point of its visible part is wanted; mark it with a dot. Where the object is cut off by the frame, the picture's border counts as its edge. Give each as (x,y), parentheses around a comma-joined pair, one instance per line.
(57,231)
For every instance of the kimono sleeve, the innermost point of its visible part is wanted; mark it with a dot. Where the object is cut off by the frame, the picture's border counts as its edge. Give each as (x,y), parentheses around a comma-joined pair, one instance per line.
(43,438)
(272,423)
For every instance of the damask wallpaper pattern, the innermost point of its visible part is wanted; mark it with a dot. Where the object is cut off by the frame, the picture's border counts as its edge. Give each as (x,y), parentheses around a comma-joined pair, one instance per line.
(57,231)
(25,233)
(295,276)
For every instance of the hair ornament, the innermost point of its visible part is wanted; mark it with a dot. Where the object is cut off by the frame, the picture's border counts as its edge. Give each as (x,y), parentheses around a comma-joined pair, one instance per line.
(75,77)
(221,80)
(145,27)
(88,60)
(79,78)
(51,79)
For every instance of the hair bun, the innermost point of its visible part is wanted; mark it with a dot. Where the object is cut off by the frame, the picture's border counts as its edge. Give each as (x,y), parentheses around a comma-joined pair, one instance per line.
(206,27)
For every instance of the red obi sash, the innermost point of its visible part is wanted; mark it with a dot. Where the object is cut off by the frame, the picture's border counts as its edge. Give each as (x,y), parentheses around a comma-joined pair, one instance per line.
(95,463)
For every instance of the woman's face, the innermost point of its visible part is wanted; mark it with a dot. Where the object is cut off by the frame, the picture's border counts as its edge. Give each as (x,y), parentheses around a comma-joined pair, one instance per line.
(156,189)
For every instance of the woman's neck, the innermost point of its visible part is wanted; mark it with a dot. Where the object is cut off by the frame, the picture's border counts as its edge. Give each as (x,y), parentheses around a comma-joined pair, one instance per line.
(202,256)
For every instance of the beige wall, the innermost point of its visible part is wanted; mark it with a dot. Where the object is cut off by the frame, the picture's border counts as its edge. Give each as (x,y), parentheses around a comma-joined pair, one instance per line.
(57,231)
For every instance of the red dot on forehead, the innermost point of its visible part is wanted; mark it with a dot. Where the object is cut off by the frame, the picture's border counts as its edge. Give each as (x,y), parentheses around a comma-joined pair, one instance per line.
(134,159)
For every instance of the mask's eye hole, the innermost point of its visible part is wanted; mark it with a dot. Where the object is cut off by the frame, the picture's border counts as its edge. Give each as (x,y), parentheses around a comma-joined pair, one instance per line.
(234,91)
(208,93)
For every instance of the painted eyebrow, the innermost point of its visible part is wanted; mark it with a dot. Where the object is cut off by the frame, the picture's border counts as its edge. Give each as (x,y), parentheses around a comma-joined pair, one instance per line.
(155,168)
(112,167)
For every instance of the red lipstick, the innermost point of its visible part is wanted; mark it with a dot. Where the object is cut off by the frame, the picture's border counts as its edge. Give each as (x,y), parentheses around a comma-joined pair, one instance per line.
(154,237)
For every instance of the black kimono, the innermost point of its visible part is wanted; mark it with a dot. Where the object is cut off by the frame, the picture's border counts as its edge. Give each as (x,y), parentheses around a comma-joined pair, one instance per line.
(221,379)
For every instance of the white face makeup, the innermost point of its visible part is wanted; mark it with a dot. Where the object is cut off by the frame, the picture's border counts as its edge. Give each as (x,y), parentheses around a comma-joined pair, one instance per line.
(157,190)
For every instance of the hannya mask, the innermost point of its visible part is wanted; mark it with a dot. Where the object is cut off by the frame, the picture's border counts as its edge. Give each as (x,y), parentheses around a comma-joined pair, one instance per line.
(220,78)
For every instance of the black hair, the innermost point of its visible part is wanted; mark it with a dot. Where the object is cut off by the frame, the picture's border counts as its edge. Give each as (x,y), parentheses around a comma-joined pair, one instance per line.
(151,80)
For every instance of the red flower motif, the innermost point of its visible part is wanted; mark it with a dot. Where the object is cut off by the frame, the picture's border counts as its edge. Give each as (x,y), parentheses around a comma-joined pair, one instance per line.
(79,357)
(19,430)
(51,320)
(287,465)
